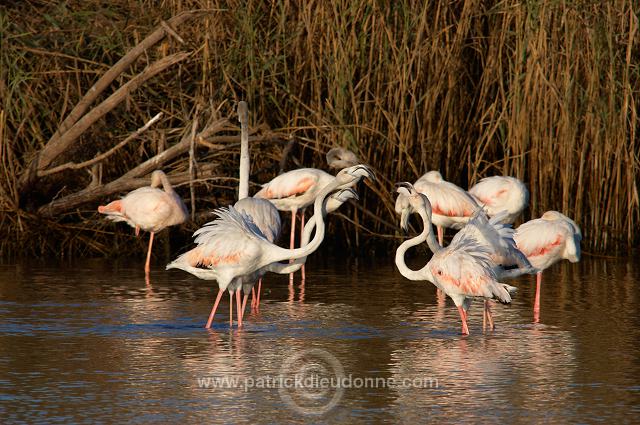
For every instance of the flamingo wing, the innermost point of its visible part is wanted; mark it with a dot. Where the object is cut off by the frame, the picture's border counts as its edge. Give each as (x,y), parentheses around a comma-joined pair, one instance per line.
(292,184)
(541,237)
(264,214)
(447,199)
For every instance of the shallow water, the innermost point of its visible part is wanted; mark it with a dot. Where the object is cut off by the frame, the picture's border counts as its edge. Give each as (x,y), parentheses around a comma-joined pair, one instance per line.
(92,342)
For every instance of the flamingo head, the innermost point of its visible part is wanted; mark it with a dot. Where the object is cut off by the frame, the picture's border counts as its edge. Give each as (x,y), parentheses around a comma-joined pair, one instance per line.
(409,201)
(340,158)
(348,177)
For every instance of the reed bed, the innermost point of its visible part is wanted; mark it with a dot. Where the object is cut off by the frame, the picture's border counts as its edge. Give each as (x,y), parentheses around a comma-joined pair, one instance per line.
(543,91)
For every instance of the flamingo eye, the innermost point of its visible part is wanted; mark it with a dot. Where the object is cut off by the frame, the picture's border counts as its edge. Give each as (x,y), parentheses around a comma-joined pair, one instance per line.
(439,272)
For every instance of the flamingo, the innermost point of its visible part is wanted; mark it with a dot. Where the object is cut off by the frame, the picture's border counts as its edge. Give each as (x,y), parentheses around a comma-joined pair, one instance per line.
(233,247)
(545,241)
(263,213)
(149,208)
(339,158)
(493,235)
(294,190)
(501,193)
(452,205)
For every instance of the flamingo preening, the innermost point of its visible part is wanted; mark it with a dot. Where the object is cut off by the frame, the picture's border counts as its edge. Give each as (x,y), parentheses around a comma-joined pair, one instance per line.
(545,241)
(232,246)
(293,191)
(467,268)
(149,208)
(451,205)
(339,158)
(501,193)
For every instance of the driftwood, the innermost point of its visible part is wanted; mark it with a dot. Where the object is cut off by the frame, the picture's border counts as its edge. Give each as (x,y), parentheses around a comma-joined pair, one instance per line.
(131,179)
(74,124)
(101,157)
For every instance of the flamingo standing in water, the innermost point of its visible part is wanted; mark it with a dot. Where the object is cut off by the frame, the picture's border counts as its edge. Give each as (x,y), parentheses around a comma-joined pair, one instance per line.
(292,191)
(492,235)
(545,241)
(464,270)
(233,247)
(149,208)
(263,213)
(501,193)
(452,205)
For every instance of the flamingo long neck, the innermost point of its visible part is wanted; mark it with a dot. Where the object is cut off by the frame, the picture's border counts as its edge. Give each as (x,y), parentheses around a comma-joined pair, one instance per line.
(426,235)
(434,246)
(319,211)
(166,184)
(245,166)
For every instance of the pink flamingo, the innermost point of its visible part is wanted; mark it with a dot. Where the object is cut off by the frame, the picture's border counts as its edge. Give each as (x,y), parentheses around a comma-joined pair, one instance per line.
(233,247)
(501,193)
(149,208)
(545,241)
(452,205)
(263,213)
(464,270)
(294,190)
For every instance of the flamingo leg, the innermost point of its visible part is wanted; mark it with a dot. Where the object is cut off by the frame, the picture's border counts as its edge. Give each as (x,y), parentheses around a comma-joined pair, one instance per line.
(137,231)
(244,304)
(292,239)
(463,317)
(301,234)
(213,310)
(259,292)
(440,235)
(238,310)
(230,308)
(147,265)
(536,302)
(487,314)
(253,298)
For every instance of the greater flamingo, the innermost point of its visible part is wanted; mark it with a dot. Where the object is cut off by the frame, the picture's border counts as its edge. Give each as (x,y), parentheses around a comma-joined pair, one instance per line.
(464,270)
(294,190)
(233,247)
(339,158)
(263,213)
(545,241)
(501,193)
(149,208)
(452,206)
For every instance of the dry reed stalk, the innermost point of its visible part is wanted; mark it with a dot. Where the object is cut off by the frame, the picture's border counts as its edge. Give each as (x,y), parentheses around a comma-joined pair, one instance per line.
(546,92)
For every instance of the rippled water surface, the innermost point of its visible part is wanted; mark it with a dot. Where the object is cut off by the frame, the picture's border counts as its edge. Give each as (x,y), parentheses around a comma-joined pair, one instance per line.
(93,342)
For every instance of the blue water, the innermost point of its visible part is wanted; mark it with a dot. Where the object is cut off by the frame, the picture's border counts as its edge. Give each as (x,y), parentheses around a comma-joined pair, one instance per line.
(93,342)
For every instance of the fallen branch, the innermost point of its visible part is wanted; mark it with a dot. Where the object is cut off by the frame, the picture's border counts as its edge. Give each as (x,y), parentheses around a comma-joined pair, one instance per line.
(131,179)
(51,151)
(101,157)
(45,157)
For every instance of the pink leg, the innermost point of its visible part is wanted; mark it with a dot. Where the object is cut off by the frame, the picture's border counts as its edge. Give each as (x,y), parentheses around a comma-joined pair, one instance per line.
(293,239)
(244,304)
(253,299)
(147,265)
(259,292)
(239,310)
(487,314)
(137,231)
(213,310)
(230,309)
(440,235)
(536,302)
(301,233)
(463,317)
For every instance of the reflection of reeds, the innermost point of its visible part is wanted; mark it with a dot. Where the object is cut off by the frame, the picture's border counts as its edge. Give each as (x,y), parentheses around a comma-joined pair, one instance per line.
(543,91)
